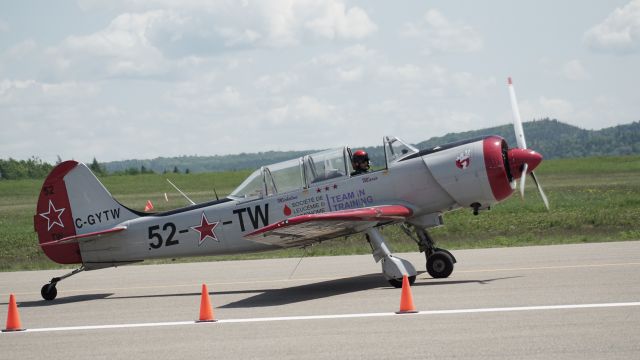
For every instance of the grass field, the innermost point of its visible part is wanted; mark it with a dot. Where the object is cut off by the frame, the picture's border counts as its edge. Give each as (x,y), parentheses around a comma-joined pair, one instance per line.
(592,200)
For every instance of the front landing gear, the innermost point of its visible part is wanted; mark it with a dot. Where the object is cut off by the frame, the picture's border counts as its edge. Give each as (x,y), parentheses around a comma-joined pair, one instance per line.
(393,268)
(49,291)
(439,261)
(440,264)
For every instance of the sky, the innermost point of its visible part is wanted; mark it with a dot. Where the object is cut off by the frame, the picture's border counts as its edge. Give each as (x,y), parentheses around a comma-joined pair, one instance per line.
(141,79)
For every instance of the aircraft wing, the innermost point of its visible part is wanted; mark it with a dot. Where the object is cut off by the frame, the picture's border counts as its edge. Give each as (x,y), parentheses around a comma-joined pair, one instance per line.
(306,229)
(86,237)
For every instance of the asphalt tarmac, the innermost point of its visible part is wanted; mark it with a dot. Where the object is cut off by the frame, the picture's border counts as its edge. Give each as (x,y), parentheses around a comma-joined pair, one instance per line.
(561,302)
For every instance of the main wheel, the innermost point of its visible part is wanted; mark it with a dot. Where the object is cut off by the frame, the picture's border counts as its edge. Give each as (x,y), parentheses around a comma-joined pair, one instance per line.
(49,292)
(440,265)
(398,283)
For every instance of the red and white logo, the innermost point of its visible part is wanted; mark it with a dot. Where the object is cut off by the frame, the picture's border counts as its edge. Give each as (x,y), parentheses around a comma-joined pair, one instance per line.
(464,159)
(206,229)
(53,216)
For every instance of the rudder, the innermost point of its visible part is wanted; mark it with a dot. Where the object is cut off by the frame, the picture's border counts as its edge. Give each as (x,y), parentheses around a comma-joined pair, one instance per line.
(72,202)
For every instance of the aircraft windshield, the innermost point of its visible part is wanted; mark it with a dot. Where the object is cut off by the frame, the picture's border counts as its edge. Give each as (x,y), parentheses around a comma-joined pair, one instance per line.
(294,174)
(396,149)
(252,186)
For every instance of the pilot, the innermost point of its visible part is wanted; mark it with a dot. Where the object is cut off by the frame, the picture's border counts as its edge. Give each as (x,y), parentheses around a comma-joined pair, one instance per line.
(360,162)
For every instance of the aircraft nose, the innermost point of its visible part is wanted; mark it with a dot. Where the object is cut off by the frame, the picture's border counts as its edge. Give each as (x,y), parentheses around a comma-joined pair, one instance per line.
(518,157)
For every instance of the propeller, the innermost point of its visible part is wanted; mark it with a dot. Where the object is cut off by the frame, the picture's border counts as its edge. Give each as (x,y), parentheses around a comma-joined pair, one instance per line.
(528,158)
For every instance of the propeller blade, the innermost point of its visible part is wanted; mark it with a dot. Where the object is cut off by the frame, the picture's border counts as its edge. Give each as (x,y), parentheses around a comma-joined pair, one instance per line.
(525,167)
(542,195)
(517,122)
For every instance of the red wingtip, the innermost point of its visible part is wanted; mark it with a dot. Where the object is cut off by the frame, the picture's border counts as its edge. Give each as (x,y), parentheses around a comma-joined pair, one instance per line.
(510,82)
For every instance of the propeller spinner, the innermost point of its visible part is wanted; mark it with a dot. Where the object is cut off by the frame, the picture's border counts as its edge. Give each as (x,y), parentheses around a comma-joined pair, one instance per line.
(522,160)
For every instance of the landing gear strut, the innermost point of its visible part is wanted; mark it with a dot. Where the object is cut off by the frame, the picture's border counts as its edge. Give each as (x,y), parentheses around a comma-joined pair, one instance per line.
(439,261)
(49,291)
(393,268)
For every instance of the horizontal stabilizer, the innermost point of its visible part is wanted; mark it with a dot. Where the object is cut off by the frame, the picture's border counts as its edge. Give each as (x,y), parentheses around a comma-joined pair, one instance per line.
(74,239)
(304,230)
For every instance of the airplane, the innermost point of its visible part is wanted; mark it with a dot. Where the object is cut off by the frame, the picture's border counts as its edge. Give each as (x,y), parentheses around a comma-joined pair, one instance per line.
(294,203)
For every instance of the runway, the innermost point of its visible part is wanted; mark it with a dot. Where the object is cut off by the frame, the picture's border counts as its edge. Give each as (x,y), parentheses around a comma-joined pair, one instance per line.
(566,301)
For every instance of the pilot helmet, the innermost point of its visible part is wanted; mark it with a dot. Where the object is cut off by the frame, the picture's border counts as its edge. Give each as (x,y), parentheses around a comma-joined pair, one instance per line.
(360,156)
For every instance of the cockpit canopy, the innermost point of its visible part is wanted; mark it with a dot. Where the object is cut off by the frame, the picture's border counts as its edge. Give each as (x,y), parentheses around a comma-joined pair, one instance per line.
(295,174)
(396,149)
(306,171)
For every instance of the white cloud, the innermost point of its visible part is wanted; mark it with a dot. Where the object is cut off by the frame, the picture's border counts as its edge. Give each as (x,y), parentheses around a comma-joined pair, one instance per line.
(573,70)
(202,97)
(33,93)
(146,41)
(4,27)
(554,108)
(276,23)
(22,49)
(619,33)
(277,83)
(355,54)
(439,34)
(337,21)
(411,73)
(238,37)
(46,118)
(278,116)
(124,48)
(435,80)
(303,111)
(351,74)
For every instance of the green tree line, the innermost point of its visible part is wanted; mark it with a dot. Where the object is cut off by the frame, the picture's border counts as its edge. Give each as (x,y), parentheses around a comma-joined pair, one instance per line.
(33,168)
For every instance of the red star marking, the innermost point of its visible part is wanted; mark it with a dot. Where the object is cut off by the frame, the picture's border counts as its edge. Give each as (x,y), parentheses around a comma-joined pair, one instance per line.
(326,188)
(319,190)
(206,229)
(53,216)
(335,186)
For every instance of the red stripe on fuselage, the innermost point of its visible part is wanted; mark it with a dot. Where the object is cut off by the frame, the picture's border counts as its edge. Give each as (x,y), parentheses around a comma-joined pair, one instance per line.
(375,213)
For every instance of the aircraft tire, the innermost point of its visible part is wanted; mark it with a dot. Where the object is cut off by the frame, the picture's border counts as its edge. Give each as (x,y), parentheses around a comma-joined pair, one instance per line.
(440,265)
(49,292)
(398,283)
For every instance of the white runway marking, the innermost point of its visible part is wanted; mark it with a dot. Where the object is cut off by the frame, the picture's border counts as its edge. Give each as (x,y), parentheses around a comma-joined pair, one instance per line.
(340,316)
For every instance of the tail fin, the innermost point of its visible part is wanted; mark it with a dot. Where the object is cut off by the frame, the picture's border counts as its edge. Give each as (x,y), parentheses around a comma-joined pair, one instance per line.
(74,202)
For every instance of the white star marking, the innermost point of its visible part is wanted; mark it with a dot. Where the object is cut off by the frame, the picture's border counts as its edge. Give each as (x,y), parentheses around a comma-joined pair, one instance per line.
(53,216)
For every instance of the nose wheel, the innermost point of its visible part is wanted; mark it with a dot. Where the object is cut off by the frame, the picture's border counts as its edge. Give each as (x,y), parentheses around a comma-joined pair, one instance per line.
(440,264)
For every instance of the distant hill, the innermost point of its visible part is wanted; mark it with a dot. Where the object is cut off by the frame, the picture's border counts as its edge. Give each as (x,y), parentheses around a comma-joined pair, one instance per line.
(552,138)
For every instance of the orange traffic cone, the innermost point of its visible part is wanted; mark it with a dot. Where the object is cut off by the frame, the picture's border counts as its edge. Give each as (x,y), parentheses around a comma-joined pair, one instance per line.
(13,317)
(149,206)
(406,300)
(206,310)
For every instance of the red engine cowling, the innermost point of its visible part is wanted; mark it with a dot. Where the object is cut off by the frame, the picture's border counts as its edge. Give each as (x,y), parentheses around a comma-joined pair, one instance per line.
(479,172)
(499,173)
